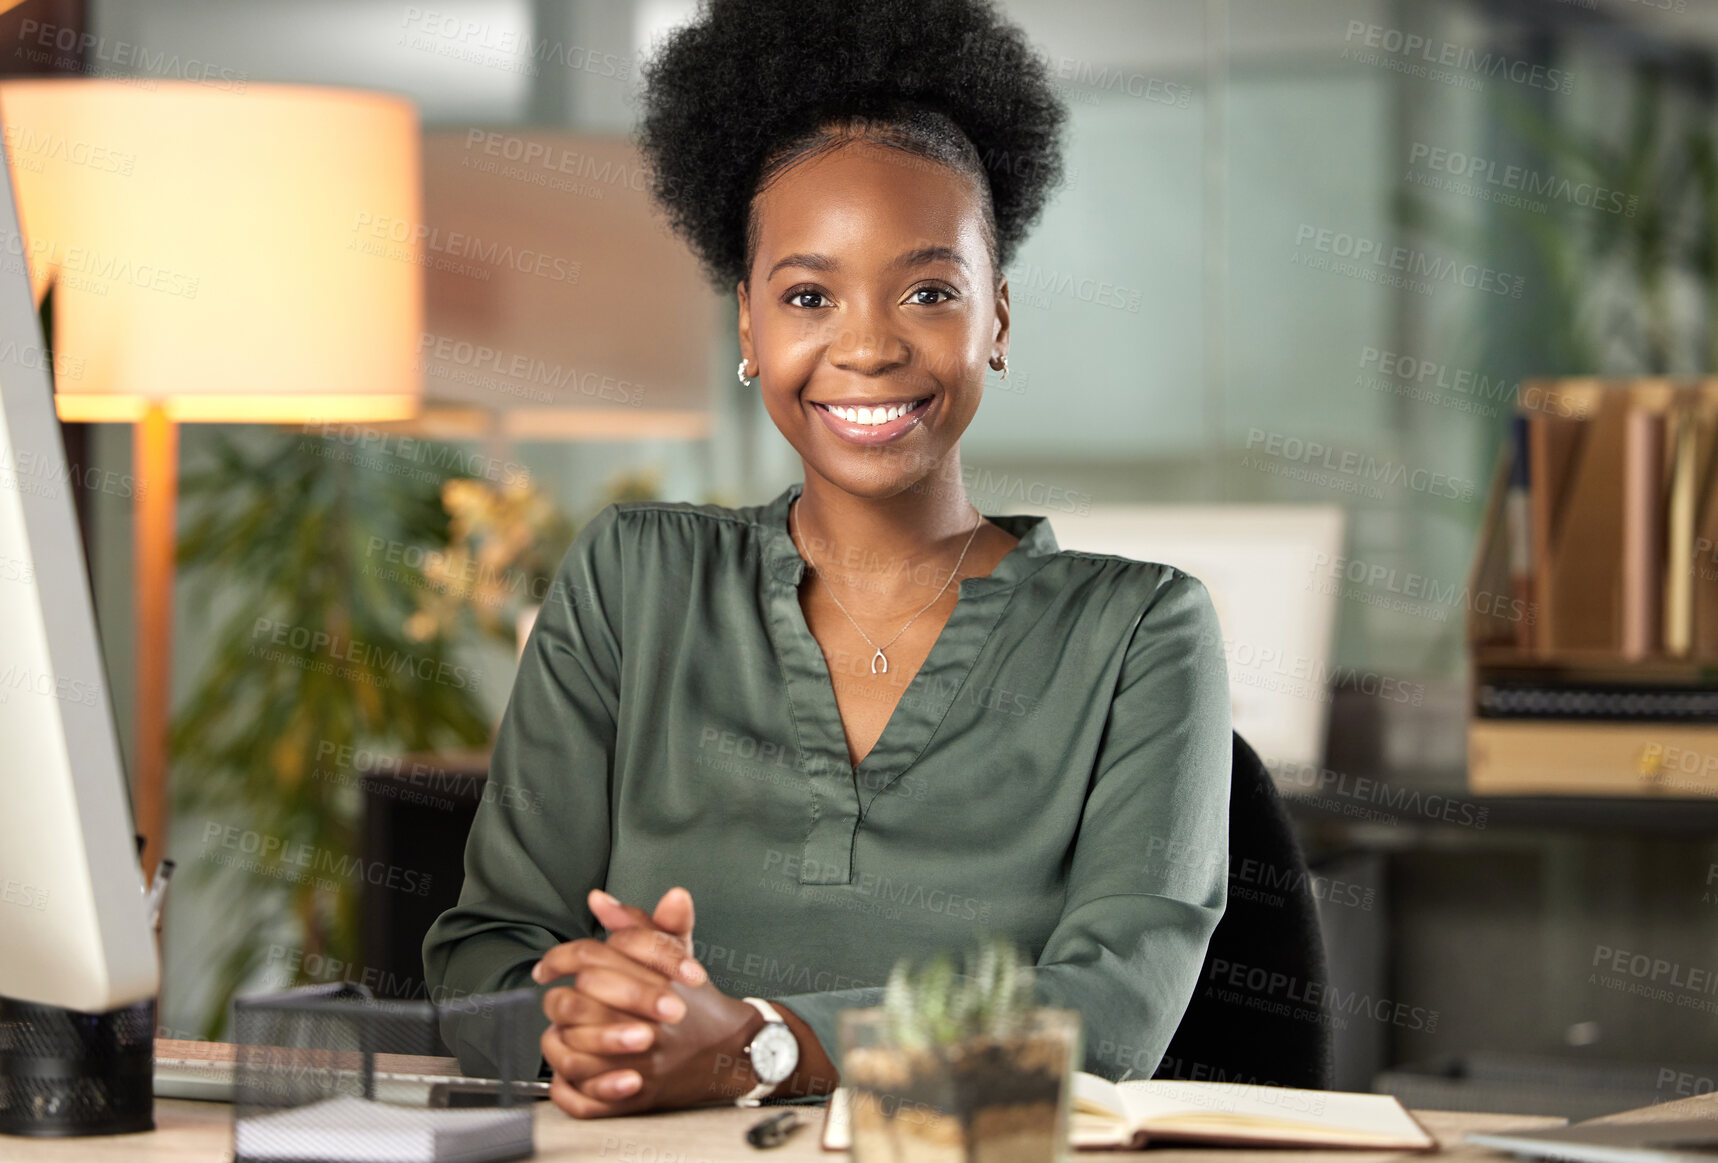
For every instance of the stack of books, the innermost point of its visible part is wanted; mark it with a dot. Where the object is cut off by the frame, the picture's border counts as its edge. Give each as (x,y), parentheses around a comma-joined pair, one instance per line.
(1593,613)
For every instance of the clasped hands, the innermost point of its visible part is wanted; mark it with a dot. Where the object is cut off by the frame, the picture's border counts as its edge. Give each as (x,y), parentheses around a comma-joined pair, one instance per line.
(641,1027)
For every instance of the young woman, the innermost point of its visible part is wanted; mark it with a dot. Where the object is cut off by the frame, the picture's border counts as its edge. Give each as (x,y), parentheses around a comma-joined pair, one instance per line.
(861,721)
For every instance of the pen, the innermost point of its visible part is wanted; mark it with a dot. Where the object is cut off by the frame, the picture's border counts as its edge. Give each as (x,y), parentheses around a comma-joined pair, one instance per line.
(773,1131)
(158,892)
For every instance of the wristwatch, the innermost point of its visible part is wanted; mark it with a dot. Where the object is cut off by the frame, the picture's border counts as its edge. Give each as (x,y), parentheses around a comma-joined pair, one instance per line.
(774,1053)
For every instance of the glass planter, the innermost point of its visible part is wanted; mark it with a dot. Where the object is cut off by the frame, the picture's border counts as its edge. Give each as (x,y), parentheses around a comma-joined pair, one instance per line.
(983,1100)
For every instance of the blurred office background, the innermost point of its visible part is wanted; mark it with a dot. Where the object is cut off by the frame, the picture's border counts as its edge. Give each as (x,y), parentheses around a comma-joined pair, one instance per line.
(1285,248)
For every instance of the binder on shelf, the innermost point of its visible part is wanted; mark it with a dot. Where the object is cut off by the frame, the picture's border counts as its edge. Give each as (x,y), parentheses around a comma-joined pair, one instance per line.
(1681,512)
(1641,562)
(1555,441)
(1603,679)
(1703,574)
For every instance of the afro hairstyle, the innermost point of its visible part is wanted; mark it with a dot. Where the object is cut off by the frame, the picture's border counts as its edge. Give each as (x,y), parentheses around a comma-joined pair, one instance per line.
(749,87)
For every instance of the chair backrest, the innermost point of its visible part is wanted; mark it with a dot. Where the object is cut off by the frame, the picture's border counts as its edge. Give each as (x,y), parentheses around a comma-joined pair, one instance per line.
(1259,1013)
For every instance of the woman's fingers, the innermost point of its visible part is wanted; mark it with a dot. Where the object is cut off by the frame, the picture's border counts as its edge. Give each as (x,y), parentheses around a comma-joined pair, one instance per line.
(663,941)
(588,954)
(587,1024)
(663,952)
(611,977)
(582,1106)
(564,1095)
(618,1038)
(611,1085)
(561,961)
(621,989)
(674,912)
(651,950)
(614,916)
(572,1009)
(603,1076)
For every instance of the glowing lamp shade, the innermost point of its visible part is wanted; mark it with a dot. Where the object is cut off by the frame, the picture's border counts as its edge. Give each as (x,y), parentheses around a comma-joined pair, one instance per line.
(223,255)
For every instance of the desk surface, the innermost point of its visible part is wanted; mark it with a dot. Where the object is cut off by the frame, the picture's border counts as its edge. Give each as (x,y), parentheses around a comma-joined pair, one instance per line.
(200,1132)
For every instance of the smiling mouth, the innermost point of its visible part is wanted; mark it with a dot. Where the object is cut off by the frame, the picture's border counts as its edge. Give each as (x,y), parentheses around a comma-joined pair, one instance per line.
(876,415)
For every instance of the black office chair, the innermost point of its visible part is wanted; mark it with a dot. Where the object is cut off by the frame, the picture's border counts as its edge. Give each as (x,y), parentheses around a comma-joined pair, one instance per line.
(1259,1012)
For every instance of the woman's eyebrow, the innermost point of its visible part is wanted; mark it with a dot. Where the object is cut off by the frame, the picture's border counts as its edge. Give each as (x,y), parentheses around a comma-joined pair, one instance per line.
(928,254)
(916,257)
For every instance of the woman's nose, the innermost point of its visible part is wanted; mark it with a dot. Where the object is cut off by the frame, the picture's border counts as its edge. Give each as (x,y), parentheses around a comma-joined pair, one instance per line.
(867,347)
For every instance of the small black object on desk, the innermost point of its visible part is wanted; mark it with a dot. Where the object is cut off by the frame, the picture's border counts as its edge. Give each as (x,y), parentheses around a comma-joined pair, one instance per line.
(64,1072)
(773,1131)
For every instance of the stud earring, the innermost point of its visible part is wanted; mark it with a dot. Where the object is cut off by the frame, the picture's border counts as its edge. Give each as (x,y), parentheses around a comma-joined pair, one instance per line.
(743,379)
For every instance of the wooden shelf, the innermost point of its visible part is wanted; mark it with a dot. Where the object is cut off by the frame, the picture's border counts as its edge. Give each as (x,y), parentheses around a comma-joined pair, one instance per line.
(1592,666)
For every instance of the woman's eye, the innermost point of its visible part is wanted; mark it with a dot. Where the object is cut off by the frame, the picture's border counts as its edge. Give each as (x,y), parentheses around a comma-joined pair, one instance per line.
(811,300)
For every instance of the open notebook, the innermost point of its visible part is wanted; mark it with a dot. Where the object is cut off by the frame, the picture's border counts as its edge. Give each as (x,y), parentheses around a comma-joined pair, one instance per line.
(1131,1114)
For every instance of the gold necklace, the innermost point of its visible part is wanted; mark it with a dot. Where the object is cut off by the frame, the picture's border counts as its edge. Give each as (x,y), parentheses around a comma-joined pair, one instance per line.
(880,657)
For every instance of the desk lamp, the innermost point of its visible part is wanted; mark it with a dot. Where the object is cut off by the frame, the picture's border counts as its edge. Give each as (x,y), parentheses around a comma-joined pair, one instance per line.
(246,253)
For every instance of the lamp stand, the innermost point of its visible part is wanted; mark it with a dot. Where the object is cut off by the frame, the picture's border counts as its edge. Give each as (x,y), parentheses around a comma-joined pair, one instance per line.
(155,464)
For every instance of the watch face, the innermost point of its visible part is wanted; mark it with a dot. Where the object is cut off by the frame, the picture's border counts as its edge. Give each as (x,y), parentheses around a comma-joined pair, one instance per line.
(775,1052)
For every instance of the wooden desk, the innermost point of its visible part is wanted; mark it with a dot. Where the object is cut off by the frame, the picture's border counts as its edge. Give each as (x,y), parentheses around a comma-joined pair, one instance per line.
(198,1132)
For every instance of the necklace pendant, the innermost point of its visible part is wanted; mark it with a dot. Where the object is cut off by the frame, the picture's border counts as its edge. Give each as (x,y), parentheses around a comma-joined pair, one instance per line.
(879,658)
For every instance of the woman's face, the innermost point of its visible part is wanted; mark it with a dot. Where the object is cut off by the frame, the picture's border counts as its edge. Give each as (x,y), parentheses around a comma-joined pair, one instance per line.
(872,290)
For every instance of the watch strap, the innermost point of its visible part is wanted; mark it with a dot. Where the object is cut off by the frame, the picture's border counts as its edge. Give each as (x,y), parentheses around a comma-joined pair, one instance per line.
(757,1093)
(770,1013)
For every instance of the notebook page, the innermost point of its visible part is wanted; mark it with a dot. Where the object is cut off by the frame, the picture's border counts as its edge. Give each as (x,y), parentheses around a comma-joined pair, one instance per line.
(1098,1094)
(1097,1113)
(1224,1107)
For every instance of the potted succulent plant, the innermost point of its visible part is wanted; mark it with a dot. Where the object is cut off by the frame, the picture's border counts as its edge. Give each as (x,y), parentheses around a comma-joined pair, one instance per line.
(960,1066)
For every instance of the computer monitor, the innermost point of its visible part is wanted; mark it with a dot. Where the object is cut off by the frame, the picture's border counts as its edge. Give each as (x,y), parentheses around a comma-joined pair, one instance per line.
(76,947)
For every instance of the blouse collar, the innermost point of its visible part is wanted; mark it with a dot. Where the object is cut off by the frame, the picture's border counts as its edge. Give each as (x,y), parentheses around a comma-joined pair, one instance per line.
(1037,546)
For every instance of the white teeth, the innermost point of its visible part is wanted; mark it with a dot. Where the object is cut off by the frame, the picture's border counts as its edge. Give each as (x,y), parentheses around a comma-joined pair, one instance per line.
(871,417)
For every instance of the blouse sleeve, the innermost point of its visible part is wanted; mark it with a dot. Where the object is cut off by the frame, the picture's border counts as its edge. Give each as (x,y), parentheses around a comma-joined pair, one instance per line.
(1149,877)
(542,828)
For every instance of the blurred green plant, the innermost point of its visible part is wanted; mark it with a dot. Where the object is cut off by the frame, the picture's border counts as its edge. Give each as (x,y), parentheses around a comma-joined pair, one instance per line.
(1627,285)
(931,1005)
(312,659)
(340,629)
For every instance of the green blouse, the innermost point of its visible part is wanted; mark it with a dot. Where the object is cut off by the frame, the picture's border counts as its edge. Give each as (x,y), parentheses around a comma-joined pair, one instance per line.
(1058,770)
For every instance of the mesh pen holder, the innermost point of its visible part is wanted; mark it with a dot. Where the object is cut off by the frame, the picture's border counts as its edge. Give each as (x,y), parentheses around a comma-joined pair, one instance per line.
(324,1074)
